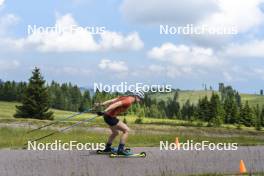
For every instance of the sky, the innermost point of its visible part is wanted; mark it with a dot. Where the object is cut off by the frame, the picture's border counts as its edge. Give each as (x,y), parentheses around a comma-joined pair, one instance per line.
(131,47)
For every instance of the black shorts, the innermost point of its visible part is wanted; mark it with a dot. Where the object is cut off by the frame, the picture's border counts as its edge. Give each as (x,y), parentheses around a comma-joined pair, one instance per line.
(111,121)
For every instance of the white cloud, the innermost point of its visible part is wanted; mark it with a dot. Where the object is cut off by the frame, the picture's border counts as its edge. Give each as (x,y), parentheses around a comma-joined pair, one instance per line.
(182,61)
(182,55)
(6,21)
(233,16)
(251,49)
(115,66)
(242,14)
(8,65)
(240,17)
(2,2)
(113,40)
(67,41)
(166,11)
(80,40)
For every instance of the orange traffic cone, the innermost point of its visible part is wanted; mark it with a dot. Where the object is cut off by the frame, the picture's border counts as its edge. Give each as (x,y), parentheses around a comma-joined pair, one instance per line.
(242,167)
(177,142)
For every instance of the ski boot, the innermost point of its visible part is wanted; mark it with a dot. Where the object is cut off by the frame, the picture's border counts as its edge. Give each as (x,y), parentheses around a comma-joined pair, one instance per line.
(124,152)
(107,150)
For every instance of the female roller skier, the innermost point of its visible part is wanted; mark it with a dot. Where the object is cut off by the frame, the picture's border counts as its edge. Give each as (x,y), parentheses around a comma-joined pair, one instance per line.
(115,107)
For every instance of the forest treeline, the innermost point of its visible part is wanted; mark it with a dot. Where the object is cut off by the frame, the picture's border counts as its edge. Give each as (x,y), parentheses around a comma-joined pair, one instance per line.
(222,107)
(65,96)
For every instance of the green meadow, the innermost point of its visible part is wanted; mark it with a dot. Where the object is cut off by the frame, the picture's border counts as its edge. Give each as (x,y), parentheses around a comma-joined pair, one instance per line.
(13,131)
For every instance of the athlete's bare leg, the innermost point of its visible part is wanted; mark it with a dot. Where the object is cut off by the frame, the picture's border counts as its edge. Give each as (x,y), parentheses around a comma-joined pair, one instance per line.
(121,126)
(114,133)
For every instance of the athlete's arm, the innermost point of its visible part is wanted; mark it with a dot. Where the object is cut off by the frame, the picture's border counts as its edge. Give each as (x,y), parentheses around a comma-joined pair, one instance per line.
(113,106)
(105,103)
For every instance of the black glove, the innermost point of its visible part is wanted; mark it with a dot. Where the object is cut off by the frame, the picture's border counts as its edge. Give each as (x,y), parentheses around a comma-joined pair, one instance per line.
(100,113)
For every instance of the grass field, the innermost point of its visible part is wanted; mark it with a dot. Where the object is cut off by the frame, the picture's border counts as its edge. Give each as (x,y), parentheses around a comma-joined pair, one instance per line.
(194,96)
(13,132)
(17,137)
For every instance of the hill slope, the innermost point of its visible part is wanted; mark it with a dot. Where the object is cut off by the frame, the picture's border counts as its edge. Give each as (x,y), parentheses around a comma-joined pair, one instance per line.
(194,96)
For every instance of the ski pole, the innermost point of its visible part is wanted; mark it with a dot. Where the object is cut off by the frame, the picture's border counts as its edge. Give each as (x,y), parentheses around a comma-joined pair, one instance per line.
(64,129)
(52,123)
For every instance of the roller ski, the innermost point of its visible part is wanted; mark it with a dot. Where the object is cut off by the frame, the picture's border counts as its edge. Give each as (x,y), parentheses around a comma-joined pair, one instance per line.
(127,154)
(111,150)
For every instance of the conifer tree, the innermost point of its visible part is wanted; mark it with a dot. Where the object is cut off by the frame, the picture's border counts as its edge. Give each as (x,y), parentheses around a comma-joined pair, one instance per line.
(246,115)
(203,112)
(35,102)
(262,116)
(257,119)
(231,110)
(86,101)
(216,110)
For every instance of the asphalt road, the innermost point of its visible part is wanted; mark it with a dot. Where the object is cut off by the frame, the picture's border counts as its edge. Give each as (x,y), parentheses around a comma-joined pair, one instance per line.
(85,163)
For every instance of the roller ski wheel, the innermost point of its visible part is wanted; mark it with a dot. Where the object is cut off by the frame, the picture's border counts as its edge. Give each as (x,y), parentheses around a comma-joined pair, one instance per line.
(130,155)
